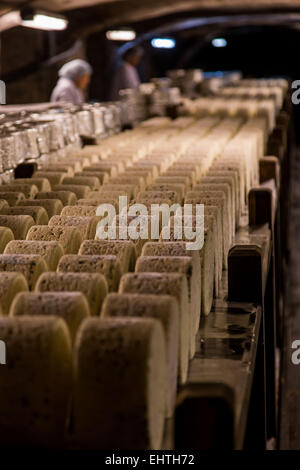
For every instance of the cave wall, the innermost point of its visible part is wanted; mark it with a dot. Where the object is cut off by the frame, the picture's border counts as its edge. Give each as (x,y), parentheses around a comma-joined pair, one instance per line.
(21,47)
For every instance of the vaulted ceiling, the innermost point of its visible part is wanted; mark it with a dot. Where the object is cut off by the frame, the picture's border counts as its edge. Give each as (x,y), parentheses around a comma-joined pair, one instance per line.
(87,16)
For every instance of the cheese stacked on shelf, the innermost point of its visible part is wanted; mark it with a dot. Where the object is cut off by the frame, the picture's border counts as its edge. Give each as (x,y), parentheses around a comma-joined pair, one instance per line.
(149,320)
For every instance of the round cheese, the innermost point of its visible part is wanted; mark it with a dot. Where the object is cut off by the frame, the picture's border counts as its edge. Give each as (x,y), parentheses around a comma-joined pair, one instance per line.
(42,184)
(50,251)
(79,190)
(6,235)
(10,285)
(123,250)
(38,214)
(19,224)
(31,266)
(69,238)
(163,308)
(93,286)
(120,402)
(90,181)
(86,225)
(67,198)
(165,284)
(35,384)
(70,306)
(51,206)
(108,265)
(184,265)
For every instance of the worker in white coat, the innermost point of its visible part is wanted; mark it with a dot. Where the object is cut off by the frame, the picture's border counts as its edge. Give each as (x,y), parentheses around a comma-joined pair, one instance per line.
(74,78)
(126,75)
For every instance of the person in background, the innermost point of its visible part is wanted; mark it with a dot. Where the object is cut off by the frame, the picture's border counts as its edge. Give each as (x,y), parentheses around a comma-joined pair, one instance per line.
(74,78)
(126,75)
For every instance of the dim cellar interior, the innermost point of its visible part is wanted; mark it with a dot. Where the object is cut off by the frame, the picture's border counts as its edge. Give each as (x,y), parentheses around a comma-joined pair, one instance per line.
(118,329)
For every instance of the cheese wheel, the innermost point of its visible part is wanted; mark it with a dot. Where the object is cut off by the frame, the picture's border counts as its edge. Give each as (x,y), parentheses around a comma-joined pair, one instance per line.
(100,175)
(179,189)
(67,198)
(97,201)
(31,266)
(70,306)
(176,249)
(145,174)
(190,174)
(165,309)
(165,284)
(38,213)
(109,168)
(184,265)
(207,260)
(76,163)
(109,197)
(79,190)
(19,224)
(78,210)
(10,285)
(75,160)
(91,151)
(108,265)
(51,206)
(123,250)
(3,203)
(148,169)
(197,226)
(54,177)
(29,190)
(86,225)
(234,179)
(130,189)
(125,178)
(42,184)
(138,243)
(234,193)
(35,385)
(155,168)
(87,154)
(69,238)
(223,168)
(12,198)
(59,167)
(50,251)
(113,409)
(208,270)
(6,235)
(90,181)
(93,286)
(182,180)
(213,211)
(225,188)
(214,198)
(157,197)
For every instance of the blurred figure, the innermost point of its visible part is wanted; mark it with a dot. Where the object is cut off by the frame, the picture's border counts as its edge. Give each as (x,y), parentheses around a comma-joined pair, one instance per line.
(126,75)
(74,78)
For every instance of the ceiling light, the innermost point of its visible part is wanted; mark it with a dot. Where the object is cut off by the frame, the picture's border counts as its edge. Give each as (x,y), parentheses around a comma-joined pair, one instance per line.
(121,35)
(33,19)
(219,42)
(163,43)
(42,20)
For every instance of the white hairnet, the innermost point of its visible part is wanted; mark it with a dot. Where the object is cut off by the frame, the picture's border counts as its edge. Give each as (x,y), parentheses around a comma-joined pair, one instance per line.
(75,69)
